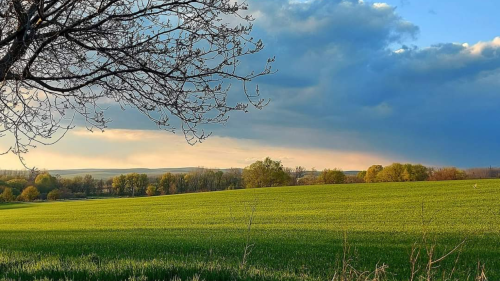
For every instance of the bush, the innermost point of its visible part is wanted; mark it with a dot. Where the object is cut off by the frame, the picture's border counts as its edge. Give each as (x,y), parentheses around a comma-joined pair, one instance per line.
(151,190)
(372,172)
(267,173)
(332,176)
(45,182)
(445,174)
(17,183)
(29,194)
(54,195)
(8,195)
(65,193)
(354,179)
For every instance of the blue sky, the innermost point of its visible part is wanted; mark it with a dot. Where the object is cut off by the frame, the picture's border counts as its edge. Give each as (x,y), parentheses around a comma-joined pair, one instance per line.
(450,20)
(359,83)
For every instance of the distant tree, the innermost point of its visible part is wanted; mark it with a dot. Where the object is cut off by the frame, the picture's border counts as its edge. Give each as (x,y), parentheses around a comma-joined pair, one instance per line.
(449,173)
(265,173)
(151,190)
(18,184)
(416,172)
(309,178)
(166,181)
(391,173)
(8,195)
(298,173)
(142,184)
(100,186)
(65,193)
(483,173)
(29,194)
(109,184)
(290,175)
(136,184)
(372,172)
(354,179)
(54,195)
(334,176)
(232,179)
(119,184)
(45,182)
(131,185)
(88,185)
(77,185)
(172,189)
(361,175)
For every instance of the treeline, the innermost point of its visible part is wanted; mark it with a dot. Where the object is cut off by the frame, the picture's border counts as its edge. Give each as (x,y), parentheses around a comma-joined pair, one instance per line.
(198,180)
(398,172)
(24,186)
(270,173)
(43,186)
(48,187)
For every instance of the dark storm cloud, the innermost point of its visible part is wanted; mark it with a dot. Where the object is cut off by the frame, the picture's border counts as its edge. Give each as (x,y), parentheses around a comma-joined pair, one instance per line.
(347,71)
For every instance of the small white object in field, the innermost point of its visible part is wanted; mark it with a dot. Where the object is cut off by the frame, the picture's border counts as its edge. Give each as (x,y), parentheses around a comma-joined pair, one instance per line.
(475,185)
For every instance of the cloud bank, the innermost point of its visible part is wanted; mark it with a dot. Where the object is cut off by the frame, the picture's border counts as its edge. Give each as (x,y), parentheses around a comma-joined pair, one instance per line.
(351,87)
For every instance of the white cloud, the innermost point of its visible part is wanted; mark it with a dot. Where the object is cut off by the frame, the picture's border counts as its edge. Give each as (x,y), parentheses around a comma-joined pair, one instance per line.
(381,6)
(480,47)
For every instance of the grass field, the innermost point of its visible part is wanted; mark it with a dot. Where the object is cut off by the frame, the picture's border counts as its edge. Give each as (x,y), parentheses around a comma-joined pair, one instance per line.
(297,233)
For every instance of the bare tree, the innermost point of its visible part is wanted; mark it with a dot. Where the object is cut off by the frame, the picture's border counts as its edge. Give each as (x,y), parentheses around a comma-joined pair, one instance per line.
(298,173)
(170,59)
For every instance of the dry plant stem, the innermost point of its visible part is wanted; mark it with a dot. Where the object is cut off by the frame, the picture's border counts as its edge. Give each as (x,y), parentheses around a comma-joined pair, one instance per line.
(481,273)
(348,272)
(248,248)
(430,249)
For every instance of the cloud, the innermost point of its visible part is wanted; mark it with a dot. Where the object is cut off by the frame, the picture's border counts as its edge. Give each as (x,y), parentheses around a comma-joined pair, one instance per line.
(349,79)
(159,149)
(401,100)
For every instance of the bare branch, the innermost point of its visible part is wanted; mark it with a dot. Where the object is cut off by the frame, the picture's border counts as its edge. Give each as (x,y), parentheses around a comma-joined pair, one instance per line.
(171,60)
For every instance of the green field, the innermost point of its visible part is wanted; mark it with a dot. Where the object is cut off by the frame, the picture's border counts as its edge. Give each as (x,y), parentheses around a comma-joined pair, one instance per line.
(297,233)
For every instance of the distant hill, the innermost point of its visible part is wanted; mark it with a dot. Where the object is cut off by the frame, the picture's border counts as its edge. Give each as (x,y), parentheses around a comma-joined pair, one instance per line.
(109,173)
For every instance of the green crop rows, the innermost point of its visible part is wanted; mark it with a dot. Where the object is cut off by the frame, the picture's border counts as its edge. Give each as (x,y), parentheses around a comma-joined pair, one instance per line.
(297,233)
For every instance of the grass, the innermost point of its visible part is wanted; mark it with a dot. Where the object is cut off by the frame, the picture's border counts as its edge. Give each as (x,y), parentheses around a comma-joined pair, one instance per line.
(297,233)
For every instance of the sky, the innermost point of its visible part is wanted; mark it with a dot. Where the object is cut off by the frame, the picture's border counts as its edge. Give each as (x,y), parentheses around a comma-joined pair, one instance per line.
(358,83)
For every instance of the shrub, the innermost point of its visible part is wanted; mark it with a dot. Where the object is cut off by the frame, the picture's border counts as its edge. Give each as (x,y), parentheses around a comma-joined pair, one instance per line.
(45,182)
(151,190)
(17,183)
(372,172)
(30,193)
(267,173)
(65,193)
(54,195)
(450,173)
(332,176)
(8,195)
(172,189)
(354,179)
(391,173)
